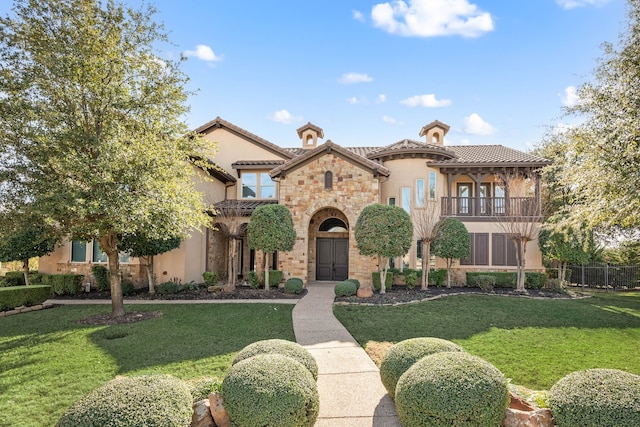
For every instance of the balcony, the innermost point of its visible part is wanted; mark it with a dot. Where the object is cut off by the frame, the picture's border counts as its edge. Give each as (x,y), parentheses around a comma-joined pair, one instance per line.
(487,207)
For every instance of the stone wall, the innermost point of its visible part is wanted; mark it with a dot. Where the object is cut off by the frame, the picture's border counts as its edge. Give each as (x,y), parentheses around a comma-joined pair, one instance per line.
(303,192)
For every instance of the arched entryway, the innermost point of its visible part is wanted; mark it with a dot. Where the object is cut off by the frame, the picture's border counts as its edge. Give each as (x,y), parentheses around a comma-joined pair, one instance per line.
(329,245)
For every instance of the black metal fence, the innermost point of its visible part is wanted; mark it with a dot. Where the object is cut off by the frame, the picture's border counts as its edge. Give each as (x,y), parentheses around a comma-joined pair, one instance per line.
(605,276)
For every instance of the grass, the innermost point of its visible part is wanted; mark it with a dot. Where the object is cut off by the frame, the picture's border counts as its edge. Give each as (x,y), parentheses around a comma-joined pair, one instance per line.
(48,359)
(533,342)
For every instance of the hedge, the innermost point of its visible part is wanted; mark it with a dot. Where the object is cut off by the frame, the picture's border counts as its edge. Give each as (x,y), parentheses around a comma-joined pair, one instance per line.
(437,277)
(63,284)
(504,279)
(147,400)
(282,347)
(101,274)
(270,390)
(345,289)
(405,354)
(376,280)
(275,277)
(17,296)
(596,398)
(14,278)
(452,389)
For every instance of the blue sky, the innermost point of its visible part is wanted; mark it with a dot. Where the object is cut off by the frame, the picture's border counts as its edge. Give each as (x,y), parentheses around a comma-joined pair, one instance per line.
(372,73)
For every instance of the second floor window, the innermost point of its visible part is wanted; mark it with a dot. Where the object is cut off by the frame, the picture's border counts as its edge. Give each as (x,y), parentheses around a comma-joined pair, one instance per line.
(258,185)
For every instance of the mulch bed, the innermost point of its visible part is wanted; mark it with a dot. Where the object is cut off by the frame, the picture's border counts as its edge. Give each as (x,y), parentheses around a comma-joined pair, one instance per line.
(403,295)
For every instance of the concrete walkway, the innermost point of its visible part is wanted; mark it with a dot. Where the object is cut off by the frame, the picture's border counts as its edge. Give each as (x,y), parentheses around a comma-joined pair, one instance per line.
(351,393)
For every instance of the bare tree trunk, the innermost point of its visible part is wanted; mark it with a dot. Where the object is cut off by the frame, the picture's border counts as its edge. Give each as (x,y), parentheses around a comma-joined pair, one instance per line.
(426,256)
(449,265)
(383,275)
(520,252)
(266,271)
(109,244)
(25,271)
(562,273)
(152,288)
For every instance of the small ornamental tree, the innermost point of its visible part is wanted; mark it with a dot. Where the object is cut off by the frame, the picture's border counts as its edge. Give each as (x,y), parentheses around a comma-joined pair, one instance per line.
(452,242)
(24,243)
(384,232)
(142,246)
(271,229)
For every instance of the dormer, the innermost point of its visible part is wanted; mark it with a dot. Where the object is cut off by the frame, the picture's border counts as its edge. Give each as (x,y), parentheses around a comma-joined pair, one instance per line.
(309,135)
(434,132)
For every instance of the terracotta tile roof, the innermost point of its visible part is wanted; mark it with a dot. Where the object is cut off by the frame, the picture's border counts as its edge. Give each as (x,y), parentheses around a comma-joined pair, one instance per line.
(433,124)
(213,169)
(329,146)
(221,123)
(311,126)
(409,147)
(241,207)
(490,154)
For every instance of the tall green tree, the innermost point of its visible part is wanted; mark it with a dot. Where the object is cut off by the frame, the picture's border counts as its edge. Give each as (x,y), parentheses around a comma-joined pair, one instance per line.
(452,242)
(565,243)
(140,245)
(271,229)
(384,232)
(605,147)
(91,132)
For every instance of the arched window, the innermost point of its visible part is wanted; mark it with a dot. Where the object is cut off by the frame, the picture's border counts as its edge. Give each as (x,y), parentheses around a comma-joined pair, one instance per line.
(435,138)
(328,180)
(333,225)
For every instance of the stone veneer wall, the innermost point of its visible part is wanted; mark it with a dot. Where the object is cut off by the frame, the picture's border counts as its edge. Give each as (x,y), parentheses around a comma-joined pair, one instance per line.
(136,273)
(303,192)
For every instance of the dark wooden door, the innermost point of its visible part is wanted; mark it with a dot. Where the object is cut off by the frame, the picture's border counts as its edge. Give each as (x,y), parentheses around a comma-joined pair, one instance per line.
(332,259)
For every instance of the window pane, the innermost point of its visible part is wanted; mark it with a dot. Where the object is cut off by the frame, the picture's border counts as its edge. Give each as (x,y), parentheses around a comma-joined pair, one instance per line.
(432,185)
(125,257)
(420,193)
(392,201)
(98,255)
(267,187)
(406,199)
(78,251)
(249,185)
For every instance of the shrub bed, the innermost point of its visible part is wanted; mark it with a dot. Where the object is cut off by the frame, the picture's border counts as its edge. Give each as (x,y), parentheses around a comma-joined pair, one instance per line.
(345,289)
(148,400)
(403,355)
(101,274)
(452,388)
(376,280)
(504,279)
(14,278)
(293,285)
(596,398)
(282,347)
(270,390)
(16,296)
(63,284)
(437,277)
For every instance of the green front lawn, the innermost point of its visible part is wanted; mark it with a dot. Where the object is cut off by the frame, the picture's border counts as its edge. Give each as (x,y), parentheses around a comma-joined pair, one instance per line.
(48,359)
(533,342)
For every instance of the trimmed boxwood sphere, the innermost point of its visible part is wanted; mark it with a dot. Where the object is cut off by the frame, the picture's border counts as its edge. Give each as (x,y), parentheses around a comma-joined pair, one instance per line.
(270,390)
(452,389)
(283,347)
(345,289)
(403,355)
(147,400)
(596,397)
(293,285)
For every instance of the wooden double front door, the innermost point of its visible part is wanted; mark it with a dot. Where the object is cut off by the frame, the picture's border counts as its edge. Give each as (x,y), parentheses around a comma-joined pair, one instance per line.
(332,259)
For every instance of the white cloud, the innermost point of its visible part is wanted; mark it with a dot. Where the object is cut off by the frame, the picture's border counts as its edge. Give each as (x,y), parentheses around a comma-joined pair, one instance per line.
(430,18)
(204,53)
(570,96)
(427,100)
(390,120)
(475,125)
(285,117)
(350,78)
(357,15)
(354,100)
(572,4)
(382,98)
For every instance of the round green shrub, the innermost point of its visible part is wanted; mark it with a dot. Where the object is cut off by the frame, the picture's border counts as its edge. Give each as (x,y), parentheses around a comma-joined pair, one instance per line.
(452,389)
(355,282)
(596,397)
(293,285)
(282,347)
(403,355)
(270,390)
(148,400)
(202,387)
(345,289)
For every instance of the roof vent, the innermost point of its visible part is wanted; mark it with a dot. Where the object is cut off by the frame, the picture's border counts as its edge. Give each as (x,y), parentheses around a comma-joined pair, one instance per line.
(434,132)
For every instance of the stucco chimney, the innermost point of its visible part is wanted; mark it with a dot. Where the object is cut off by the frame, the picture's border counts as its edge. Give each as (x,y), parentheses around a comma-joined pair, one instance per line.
(434,132)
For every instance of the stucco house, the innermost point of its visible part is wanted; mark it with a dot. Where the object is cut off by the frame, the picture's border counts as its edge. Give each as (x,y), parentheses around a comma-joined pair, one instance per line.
(325,186)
